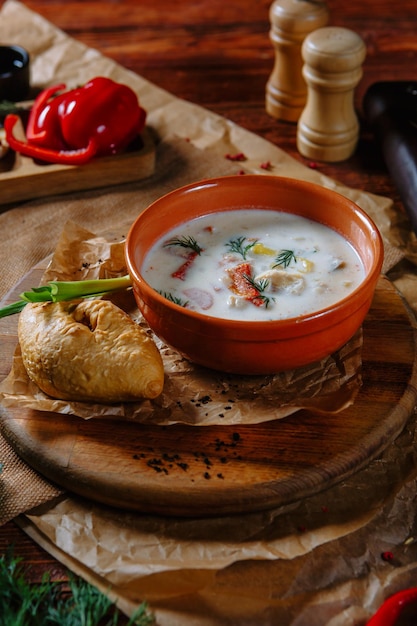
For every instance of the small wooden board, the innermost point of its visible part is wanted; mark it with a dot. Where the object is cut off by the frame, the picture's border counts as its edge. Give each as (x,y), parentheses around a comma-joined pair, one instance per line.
(191,471)
(22,178)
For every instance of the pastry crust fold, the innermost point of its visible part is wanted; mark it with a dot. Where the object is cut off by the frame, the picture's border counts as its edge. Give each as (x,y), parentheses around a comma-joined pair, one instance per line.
(89,351)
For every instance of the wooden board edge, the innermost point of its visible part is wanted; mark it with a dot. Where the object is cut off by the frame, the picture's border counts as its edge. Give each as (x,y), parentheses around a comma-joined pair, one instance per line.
(30,181)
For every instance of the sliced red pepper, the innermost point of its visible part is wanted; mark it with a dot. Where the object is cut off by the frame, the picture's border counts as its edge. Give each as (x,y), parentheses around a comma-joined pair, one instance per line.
(242,286)
(393,607)
(181,272)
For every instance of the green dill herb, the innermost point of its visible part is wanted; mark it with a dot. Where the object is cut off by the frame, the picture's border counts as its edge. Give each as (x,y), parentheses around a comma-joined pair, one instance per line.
(238,245)
(284,258)
(26,604)
(260,286)
(184,242)
(175,299)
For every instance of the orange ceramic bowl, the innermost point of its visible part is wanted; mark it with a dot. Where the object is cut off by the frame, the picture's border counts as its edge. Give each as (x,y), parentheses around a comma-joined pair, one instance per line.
(246,347)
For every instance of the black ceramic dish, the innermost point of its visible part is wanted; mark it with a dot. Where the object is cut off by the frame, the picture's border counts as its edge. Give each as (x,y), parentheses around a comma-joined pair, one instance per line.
(14,73)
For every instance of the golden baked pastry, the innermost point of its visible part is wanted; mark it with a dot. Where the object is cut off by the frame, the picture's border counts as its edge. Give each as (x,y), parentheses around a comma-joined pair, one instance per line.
(89,350)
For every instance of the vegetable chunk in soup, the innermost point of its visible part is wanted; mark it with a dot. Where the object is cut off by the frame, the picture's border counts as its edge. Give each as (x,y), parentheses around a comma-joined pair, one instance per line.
(253,264)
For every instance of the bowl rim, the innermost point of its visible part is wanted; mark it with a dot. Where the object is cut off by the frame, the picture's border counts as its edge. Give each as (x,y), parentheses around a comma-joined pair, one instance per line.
(288,322)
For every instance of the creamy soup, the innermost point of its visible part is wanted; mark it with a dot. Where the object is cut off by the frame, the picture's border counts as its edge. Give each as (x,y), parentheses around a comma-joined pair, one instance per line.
(253,264)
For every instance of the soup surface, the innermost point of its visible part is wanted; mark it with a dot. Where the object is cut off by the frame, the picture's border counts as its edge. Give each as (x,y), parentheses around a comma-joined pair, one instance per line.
(253,264)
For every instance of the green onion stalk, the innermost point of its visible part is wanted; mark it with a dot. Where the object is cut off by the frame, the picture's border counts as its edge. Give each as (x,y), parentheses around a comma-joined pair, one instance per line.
(58,291)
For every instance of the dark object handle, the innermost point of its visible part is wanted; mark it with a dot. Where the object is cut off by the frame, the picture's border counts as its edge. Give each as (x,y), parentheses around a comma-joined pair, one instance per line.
(391,110)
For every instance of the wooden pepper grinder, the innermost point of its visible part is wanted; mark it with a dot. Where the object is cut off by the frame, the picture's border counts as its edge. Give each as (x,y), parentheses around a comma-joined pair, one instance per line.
(291,21)
(328,128)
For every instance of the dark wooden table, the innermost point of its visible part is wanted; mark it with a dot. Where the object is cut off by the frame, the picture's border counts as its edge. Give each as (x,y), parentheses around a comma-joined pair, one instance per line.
(218,54)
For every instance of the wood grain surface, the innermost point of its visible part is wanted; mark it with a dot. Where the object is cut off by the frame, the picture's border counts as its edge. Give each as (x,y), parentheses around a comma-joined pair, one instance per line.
(188,471)
(23,178)
(219,55)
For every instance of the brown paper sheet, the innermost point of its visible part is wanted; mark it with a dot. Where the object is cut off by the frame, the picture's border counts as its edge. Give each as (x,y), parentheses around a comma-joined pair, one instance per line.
(317,563)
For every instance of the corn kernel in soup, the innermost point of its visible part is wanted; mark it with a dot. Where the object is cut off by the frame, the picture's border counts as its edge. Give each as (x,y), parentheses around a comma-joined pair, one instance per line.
(253,264)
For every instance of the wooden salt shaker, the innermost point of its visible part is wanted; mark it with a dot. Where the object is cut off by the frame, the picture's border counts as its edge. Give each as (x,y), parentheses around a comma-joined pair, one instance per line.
(328,128)
(291,21)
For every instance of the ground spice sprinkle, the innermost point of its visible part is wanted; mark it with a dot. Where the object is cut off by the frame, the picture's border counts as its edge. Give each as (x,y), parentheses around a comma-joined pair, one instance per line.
(166,462)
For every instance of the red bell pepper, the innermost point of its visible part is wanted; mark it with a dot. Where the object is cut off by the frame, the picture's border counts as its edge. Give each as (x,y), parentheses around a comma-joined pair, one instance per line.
(100,118)
(393,608)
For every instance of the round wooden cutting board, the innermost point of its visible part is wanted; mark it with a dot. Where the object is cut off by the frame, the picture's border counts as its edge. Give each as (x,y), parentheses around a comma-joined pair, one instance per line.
(192,471)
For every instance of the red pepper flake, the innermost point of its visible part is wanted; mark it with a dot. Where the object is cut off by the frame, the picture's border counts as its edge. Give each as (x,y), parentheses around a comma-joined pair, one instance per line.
(235,157)
(241,173)
(325,509)
(312,165)
(302,529)
(387,556)
(266,165)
